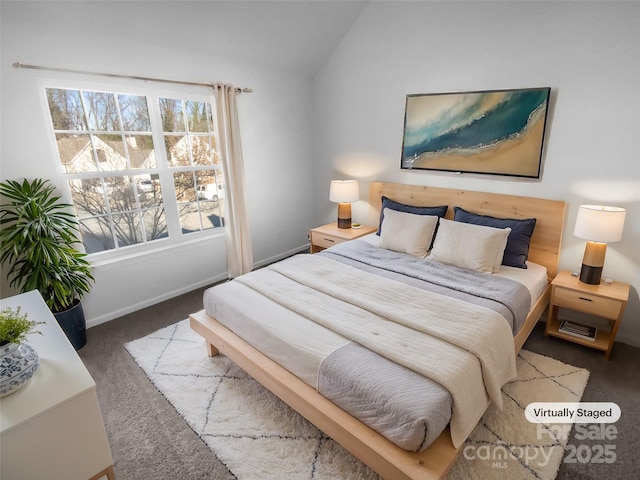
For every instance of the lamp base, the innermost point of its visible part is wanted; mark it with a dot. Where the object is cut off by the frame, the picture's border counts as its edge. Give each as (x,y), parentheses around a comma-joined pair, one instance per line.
(592,262)
(590,275)
(344,223)
(344,215)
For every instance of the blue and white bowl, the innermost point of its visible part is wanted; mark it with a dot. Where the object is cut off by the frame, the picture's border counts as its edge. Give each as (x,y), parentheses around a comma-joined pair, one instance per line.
(18,363)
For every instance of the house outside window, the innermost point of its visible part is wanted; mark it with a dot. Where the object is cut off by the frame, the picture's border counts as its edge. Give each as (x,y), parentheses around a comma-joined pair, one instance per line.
(142,169)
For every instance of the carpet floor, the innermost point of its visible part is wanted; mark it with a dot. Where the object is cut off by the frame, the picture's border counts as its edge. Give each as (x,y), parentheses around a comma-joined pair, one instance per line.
(149,439)
(260,438)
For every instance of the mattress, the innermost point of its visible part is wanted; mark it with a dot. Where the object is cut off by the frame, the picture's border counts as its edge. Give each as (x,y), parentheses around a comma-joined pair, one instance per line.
(408,408)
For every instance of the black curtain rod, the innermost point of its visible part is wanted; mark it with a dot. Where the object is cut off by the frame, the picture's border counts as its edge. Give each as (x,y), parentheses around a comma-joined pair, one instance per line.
(130,77)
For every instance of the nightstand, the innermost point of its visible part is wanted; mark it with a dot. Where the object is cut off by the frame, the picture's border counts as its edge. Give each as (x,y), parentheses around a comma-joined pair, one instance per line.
(329,235)
(606,301)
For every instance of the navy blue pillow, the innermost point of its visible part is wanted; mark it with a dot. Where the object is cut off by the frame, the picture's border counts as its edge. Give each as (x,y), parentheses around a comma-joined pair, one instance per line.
(401,207)
(517,250)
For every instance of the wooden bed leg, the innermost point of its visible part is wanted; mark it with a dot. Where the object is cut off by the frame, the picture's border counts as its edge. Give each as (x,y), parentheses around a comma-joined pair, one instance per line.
(211,350)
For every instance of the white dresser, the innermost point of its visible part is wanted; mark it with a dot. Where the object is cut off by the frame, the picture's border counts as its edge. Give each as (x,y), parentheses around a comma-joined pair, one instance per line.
(52,428)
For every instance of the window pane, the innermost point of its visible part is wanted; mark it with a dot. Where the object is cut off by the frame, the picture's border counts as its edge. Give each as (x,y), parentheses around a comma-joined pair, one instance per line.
(206,213)
(189,217)
(141,152)
(76,153)
(121,196)
(96,234)
(134,113)
(201,151)
(66,109)
(110,152)
(101,111)
(206,182)
(149,191)
(198,116)
(177,148)
(172,116)
(185,187)
(89,197)
(155,224)
(211,214)
(128,228)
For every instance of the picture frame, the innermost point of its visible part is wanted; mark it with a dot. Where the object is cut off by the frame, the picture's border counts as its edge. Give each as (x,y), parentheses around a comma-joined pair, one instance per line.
(493,132)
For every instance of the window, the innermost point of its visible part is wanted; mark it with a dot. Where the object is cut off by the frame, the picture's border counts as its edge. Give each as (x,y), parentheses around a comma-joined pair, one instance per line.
(141,168)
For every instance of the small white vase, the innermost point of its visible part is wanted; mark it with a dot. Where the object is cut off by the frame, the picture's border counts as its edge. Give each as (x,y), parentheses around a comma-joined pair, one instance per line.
(18,363)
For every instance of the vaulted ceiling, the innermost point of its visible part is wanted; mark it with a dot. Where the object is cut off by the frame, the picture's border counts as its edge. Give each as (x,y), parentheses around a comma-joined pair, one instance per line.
(294,35)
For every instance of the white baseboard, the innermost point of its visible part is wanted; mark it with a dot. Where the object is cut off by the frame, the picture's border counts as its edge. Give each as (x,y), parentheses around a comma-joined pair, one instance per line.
(152,301)
(188,288)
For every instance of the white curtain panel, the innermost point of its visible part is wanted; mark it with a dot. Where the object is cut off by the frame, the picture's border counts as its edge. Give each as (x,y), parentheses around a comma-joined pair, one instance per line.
(238,238)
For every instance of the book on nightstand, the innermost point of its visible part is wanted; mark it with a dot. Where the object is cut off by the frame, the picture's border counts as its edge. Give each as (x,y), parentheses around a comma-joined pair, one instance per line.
(578,330)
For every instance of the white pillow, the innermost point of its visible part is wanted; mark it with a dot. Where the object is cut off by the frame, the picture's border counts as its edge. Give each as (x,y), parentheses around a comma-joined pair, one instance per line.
(474,247)
(407,233)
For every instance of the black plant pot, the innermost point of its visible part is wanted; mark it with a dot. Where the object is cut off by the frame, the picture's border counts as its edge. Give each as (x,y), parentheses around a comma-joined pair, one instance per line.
(73,324)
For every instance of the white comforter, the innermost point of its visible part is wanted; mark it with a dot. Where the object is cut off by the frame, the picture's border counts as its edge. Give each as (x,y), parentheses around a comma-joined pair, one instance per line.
(470,353)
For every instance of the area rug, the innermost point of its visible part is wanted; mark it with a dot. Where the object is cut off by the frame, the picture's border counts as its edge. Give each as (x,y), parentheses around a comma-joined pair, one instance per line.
(258,437)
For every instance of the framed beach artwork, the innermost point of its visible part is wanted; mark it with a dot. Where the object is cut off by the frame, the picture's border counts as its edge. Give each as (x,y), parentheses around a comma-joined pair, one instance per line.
(496,132)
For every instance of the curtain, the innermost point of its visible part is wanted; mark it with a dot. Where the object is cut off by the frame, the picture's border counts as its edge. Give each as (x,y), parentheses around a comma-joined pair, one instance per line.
(238,237)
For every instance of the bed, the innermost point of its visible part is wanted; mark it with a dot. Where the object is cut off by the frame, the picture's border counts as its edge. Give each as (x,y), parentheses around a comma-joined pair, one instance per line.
(348,273)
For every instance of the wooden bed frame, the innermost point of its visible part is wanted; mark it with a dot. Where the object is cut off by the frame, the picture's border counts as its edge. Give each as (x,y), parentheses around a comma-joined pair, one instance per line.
(384,457)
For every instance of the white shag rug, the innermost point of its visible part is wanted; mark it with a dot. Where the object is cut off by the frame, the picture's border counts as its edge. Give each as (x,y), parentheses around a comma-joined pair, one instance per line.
(258,437)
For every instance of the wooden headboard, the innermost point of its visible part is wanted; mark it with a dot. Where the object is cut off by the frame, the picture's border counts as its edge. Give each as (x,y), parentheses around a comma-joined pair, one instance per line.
(549,214)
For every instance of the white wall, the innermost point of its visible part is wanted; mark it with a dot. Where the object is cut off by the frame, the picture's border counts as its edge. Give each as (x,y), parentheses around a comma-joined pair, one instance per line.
(589,53)
(102,36)
(346,122)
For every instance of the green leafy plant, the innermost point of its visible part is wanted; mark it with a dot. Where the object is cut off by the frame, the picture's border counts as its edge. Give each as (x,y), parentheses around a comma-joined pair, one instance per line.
(15,327)
(38,236)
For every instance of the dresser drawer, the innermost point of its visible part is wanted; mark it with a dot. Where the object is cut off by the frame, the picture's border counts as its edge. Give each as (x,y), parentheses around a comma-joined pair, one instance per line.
(324,240)
(585,302)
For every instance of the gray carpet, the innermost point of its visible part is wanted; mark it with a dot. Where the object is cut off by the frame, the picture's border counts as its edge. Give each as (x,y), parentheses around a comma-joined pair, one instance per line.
(149,440)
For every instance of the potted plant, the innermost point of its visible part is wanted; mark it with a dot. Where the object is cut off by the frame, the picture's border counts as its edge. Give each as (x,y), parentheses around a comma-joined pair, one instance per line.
(18,361)
(38,239)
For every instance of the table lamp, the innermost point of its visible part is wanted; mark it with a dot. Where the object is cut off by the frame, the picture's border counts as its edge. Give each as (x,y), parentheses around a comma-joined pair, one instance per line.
(343,192)
(599,225)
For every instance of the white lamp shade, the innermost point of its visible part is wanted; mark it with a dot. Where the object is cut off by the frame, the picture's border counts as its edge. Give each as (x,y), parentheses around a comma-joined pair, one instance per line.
(344,191)
(600,224)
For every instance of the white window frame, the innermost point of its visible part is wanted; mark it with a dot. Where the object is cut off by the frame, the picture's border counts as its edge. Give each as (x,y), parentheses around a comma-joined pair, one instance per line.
(165,172)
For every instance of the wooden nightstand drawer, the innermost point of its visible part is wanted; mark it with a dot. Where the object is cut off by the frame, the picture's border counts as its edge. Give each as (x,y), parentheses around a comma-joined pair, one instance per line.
(585,302)
(324,240)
